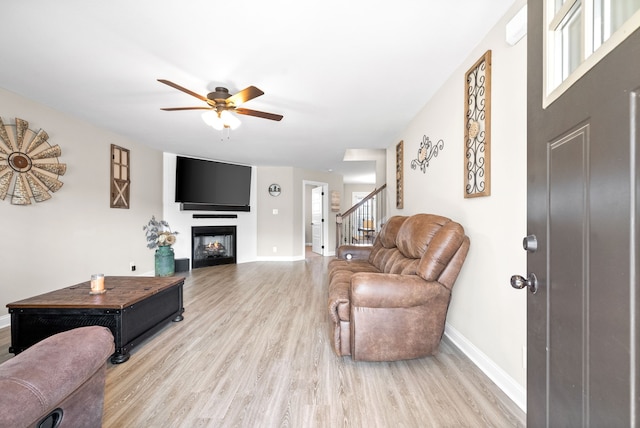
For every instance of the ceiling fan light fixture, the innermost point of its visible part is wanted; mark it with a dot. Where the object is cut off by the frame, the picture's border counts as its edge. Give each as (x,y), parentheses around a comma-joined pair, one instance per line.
(210,118)
(219,121)
(220,103)
(229,120)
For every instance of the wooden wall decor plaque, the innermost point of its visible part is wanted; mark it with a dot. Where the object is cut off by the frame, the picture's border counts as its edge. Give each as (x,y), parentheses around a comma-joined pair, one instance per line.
(120,183)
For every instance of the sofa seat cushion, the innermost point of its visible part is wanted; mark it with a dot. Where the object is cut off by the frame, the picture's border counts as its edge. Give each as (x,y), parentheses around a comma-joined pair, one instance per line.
(351,266)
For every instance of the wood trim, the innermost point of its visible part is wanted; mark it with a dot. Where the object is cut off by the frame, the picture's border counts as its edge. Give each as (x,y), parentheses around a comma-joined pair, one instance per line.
(120,181)
(477,129)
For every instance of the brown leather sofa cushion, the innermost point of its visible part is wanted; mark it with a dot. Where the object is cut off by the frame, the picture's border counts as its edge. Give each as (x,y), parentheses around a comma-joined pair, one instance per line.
(389,232)
(416,234)
(394,305)
(441,250)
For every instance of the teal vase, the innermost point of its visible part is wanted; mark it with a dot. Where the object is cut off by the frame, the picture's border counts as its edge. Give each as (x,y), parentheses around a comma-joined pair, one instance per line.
(165,261)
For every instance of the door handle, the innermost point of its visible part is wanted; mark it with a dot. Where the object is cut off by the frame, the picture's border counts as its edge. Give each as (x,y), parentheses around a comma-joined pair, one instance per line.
(531,282)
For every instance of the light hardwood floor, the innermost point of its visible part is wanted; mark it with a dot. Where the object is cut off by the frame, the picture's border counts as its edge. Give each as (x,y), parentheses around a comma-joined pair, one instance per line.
(254,351)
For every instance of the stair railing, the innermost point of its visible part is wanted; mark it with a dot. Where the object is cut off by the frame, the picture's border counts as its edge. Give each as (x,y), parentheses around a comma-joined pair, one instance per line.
(360,224)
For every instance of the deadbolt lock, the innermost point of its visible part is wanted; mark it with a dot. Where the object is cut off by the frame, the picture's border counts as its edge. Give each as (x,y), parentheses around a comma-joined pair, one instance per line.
(530,243)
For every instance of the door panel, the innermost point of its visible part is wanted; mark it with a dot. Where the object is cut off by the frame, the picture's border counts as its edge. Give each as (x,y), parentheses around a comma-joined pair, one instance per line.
(568,291)
(582,206)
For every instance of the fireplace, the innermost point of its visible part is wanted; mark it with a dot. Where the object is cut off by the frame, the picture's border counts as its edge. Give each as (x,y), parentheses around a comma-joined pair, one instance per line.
(213,245)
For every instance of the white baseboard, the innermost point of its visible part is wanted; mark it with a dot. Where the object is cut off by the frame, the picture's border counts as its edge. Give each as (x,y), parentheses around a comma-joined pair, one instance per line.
(279,259)
(5,321)
(506,383)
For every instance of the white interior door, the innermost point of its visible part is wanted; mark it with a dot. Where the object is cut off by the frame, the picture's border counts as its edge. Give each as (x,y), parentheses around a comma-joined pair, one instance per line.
(317,222)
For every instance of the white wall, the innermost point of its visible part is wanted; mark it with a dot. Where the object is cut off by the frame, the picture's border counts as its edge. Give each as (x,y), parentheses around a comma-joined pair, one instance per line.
(276,230)
(182,221)
(350,188)
(486,317)
(62,241)
(285,230)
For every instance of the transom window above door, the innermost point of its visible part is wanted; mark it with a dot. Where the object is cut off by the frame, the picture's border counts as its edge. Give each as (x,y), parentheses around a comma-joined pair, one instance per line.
(578,34)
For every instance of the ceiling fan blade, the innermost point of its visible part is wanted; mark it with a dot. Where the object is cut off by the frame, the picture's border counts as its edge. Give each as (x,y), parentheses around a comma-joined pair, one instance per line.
(244,95)
(185,108)
(185,90)
(261,114)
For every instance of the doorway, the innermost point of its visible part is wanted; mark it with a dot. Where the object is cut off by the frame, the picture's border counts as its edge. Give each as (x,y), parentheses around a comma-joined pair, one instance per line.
(314,217)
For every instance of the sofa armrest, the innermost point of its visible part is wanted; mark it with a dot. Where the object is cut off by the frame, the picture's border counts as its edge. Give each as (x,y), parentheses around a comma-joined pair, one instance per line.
(38,379)
(357,252)
(384,290)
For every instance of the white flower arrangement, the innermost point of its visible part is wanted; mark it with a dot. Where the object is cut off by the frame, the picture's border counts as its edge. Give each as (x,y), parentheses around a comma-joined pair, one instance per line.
(159,233)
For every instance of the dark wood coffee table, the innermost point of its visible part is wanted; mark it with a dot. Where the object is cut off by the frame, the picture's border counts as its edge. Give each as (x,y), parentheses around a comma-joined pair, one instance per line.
(133,308)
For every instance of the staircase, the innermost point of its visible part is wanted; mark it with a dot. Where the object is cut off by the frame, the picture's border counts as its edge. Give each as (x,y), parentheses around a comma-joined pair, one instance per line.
(360,224)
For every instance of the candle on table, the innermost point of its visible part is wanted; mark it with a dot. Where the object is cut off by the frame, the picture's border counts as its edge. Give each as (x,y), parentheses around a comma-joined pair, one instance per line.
(97,283)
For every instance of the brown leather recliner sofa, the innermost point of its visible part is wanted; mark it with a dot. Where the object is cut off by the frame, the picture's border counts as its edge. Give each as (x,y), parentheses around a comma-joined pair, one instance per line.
(389,301)
(58,382)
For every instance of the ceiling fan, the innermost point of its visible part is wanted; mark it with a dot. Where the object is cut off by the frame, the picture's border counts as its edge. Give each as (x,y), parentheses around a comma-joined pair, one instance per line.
(220,104)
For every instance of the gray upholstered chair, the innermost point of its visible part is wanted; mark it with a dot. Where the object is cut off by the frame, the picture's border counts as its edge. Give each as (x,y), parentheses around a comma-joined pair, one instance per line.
(58,382)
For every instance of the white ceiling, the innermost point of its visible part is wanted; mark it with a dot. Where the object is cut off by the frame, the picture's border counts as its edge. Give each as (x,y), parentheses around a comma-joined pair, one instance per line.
(345,74)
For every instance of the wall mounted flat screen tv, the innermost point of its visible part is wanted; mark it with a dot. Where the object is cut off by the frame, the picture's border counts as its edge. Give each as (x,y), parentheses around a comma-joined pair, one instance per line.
(212,186)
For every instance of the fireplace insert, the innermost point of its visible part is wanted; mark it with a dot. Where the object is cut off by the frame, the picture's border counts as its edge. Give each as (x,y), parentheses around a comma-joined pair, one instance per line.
(213,245)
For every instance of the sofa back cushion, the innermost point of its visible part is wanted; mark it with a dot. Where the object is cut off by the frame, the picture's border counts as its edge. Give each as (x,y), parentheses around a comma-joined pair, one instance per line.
(385,243)
(389,231)
(443,247)
(416,234)
(429,242)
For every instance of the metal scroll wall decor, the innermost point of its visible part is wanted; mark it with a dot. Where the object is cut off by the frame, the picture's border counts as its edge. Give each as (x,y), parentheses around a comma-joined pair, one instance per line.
(477,129)
(426,152)
(29,167)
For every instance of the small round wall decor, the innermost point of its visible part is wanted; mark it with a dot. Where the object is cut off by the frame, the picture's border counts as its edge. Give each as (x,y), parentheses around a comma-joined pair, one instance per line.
(29,167)
(274,189)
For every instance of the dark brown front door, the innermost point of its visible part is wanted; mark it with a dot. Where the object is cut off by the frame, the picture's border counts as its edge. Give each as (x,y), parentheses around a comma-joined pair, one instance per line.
(583,201)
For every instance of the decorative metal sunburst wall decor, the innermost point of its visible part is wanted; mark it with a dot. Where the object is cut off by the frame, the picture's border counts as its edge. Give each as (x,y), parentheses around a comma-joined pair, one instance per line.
(29,166)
